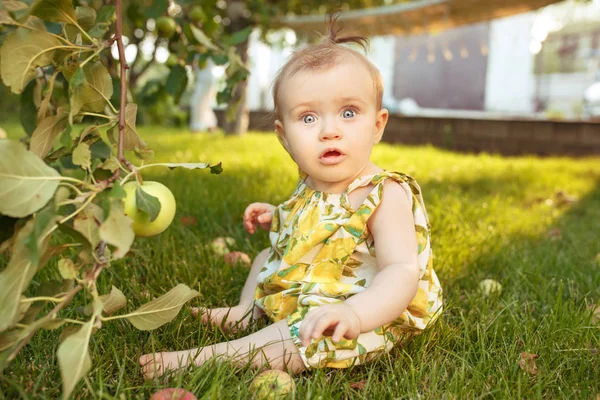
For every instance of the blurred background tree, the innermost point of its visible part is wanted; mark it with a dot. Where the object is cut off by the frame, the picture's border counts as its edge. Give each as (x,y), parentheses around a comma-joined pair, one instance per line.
(161,47)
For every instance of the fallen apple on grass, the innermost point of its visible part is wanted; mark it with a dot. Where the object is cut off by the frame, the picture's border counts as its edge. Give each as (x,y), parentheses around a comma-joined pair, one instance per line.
(221,245)
(143,224)
(272,384)
(237,257)
(489,287)
(173,394)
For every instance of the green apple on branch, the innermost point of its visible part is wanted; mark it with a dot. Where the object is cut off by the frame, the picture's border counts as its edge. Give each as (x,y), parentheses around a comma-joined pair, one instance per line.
(150,205)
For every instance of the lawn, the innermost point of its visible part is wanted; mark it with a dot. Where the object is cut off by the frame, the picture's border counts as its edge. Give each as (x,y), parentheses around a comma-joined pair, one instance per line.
(530,223)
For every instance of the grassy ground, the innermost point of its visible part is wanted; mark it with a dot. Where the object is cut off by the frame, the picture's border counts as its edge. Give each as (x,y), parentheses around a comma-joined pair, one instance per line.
(492,217)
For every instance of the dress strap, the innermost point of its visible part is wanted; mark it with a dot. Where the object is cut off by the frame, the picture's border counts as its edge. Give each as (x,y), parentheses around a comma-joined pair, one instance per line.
(409,184)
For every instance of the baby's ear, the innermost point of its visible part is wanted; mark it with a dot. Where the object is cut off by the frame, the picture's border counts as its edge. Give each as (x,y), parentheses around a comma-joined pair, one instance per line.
(281,134)
(380,123)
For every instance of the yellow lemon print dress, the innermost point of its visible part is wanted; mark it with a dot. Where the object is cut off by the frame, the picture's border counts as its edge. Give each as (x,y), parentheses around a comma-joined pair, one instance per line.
(322,253)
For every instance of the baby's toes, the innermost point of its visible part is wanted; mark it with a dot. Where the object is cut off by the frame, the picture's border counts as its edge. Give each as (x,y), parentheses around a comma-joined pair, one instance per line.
(151,365)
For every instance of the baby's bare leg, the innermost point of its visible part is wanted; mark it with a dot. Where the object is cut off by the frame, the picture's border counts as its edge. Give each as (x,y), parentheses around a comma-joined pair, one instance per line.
(270,347)
(245,309)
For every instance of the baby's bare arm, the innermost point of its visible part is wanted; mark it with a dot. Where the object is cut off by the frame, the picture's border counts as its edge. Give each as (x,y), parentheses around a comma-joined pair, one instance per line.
(395,285)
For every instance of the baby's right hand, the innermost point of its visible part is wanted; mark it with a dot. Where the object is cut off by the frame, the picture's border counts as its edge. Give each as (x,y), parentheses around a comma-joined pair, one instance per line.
(260,214)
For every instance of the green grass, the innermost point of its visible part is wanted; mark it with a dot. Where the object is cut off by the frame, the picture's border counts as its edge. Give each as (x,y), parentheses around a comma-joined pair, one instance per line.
(492,217)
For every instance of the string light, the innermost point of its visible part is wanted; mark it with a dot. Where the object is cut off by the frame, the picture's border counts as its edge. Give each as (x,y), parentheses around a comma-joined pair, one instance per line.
(464,52)
(413,54)
(448,56)
(431,53)
(484,49)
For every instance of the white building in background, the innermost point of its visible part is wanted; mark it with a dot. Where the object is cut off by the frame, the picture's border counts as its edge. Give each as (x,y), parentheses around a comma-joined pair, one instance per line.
(510,80)
(510,86)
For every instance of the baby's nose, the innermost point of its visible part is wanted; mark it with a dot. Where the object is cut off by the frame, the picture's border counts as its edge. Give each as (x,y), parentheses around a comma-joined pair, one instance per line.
(331,131)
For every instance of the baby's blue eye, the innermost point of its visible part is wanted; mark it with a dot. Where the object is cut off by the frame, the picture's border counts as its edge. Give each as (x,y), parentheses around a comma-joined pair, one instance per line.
(309,119)
(348,113)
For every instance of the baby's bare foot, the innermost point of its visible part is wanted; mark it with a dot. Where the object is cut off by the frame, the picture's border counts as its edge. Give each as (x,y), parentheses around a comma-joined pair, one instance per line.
(230,318)
(158,363)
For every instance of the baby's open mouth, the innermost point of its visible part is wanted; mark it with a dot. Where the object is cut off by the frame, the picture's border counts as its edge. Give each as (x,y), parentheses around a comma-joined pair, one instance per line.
(332,156)
(332,153)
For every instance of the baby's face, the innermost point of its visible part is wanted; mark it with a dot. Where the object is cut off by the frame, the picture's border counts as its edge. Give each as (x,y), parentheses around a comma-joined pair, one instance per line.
(329,122)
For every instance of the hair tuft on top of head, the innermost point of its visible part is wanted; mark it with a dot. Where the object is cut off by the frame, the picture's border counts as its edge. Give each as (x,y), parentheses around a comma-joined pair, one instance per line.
(332,35)
(324,54)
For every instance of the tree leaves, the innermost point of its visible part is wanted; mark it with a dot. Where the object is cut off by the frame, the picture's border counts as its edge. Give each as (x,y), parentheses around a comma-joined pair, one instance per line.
(238,36)
(113,301)
(162,309)
(44,135)
(105,17)
(73,355)
(90,87)
(19,272)
(176,82)
(5,18)
(147,203)
(54,10)
(131,140)
(203,39)
(67,269)
(26,183)
(82,156)
(22,52)
(214,169)
(88,222)
(117,230)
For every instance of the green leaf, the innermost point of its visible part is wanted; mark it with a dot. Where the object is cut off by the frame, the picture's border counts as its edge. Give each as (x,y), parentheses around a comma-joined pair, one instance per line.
(88,130)
(131,140)
(22,52)
(73,356)
(26,182)
(186,166)
(86,17)
(90,88)
(42,113)
(216,169)
(15,278)
(67,268)
(28,109)
(82,156)
(104,19)
(5,18)
(8,339)
(14,6)
(156,8)
(161,310)
(42,139)
(88,222)
(201,37)
(238,37)
(147,203)
(42,219)
(117,230)
(100,150)
(113,301)
(54,10)
(111,164)
(117,191)
(176,82)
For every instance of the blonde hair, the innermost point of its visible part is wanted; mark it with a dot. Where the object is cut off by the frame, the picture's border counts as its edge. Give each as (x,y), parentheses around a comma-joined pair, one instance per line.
(329,52)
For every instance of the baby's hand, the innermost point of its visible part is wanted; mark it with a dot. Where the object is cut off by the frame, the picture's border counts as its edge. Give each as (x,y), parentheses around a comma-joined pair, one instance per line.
(260,214)
(339,318)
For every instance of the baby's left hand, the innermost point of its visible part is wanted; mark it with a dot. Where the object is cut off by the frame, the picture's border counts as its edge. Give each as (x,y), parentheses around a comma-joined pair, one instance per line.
(339,318)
